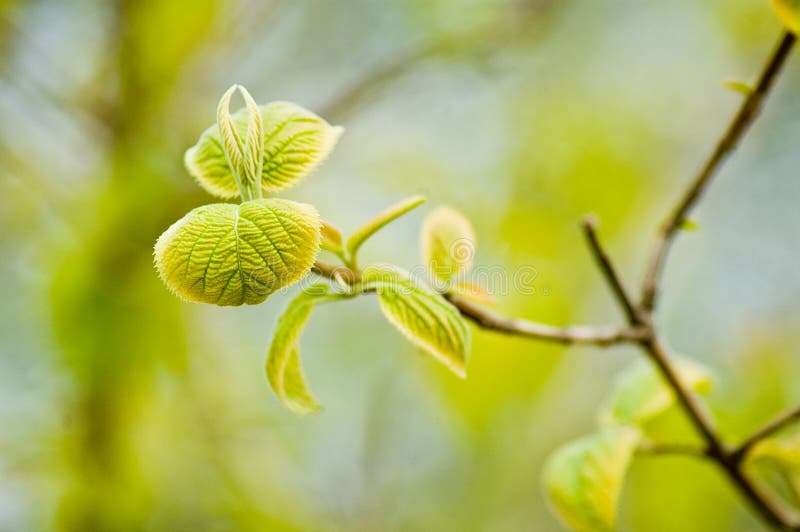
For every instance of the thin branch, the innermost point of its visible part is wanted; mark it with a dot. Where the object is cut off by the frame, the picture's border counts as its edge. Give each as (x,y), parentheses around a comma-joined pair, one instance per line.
(771,428)
(599,336)
(694,408)
(486,319)
(747,114)
(607,267)
(669,449)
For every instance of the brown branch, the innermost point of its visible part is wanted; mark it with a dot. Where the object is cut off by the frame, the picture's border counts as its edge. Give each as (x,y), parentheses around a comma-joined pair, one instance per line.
(771,428)
(747,114)
(576,334)
(486,319)
(641,329)
(610,272)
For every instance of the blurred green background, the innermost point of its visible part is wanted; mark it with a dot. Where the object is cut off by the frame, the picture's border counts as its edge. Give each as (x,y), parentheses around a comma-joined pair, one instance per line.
(122,408)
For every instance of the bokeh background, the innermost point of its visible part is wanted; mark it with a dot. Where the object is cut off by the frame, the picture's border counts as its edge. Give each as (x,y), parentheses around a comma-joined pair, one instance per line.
(122,408)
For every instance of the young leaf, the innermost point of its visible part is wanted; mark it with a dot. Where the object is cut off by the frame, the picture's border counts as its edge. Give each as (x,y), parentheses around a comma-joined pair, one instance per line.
(229,254)
(584,478)
(423,316)
(640,393)
(689,225)
(448,243)
(284,367)
(739,86)
(296,141)
(789,13)
(231,145)
(778,460)
(389,215)
(473,292)
(331,238)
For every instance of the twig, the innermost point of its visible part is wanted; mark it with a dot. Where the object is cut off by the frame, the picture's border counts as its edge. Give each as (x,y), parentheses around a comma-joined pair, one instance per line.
(772,427)
(486,319)
(747,114)
(610,272)
(667,449)
(599,336)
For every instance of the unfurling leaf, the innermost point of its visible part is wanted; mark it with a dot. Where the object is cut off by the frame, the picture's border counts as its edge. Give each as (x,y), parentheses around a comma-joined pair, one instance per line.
(423,316)
(296,141)
(777,460)
(284,367)
(238,254)
(394,212)
(789,13)
(448,243)
(245,158)
(640,393)
(584,478)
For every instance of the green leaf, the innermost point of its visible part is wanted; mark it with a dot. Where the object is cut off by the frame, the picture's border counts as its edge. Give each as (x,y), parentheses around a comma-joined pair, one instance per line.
(235,254)
(448,243)
(739,86)
(789,13)
(284,367)
(689,225)
(423,316)
(640,393)
(389,215)
(584,478)
(296,141)
(777,460)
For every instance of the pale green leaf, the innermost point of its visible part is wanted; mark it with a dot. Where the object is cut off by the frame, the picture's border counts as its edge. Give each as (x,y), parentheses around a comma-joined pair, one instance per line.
(423,316)
(583,479)
(448,243)
(331,238)
(238,254)
(231,144)
(777,460)
(473,292)
(296,141)
(394,212)
(789,13)
(640,393)
(284,367)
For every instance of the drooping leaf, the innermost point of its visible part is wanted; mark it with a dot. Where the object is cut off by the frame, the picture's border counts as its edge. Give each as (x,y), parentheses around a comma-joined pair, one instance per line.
(583,479)
(448,243)
(789,13)
(423,316)
(296,141)
(640,393)
(229,254)
(777,461)
(394,212)
(284,367)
